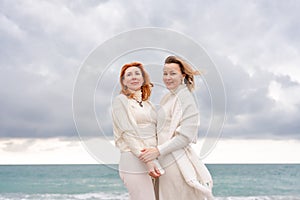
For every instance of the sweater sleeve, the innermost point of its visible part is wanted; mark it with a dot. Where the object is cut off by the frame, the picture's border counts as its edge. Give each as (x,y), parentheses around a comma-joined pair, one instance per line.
(189,120)
(184,124)
(177,142)
(124,130)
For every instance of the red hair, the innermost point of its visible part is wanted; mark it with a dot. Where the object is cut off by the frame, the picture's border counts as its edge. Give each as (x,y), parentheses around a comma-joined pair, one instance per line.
(147,85)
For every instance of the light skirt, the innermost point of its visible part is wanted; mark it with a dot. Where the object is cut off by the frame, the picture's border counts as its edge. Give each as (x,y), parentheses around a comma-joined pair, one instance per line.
(172,184)
(134,175)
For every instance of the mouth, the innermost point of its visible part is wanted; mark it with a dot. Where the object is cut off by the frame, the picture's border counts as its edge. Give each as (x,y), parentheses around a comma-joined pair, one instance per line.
(134,83)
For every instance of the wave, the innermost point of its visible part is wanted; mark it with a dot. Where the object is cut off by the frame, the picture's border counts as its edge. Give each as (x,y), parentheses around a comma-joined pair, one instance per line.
(86,196)
(120,196)
(259,198)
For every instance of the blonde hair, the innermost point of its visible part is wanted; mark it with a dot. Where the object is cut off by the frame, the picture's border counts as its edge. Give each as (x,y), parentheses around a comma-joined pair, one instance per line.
(146,87)
(185,69)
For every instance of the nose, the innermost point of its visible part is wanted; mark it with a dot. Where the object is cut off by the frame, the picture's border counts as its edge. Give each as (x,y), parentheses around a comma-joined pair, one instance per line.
(167,77)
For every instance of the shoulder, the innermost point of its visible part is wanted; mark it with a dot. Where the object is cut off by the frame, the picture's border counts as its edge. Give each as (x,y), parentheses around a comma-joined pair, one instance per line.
(186,97)
(166,98)
(119,100)
(185,92)
(150,104)
(148,101)
(121,97)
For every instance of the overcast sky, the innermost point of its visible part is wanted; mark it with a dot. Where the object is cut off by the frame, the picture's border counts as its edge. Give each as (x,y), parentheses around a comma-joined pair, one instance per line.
(254,44)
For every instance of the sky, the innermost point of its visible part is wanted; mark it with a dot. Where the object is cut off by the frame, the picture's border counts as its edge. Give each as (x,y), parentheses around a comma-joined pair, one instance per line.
(254,44)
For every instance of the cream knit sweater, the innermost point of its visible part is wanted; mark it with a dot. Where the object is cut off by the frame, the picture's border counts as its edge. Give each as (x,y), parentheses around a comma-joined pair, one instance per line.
(134,126)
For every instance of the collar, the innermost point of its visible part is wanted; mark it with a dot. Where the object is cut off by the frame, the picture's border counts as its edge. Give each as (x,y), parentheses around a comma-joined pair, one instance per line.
(178,89)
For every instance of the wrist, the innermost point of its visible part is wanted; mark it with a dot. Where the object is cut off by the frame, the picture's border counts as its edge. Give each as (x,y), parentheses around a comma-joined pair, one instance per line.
(157,150)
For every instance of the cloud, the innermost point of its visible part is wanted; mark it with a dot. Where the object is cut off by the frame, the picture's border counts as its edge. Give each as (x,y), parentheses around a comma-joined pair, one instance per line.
(43,151)
(70,151)
(255,45)
(261,104)
(17,146)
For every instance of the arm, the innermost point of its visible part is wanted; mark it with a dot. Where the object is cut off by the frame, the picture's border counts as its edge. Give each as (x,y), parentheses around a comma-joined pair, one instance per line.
(124,130)
(185,120)
(177,142)
(153,169)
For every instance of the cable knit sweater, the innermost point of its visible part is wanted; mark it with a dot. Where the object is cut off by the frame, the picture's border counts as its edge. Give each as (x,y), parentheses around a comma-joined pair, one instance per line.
(134,126)
(177,126)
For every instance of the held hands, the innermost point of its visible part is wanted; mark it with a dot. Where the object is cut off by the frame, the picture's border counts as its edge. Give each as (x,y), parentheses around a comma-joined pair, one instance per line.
(153,170)
(149,154)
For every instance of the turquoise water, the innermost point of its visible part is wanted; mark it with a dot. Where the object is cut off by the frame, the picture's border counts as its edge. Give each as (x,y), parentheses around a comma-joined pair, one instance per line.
(256,180)
(102,182)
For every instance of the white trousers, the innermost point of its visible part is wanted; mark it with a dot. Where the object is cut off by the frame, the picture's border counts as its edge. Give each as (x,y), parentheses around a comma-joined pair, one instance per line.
(134,175)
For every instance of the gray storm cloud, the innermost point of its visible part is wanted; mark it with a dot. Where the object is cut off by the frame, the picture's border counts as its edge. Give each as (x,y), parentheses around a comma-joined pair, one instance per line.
(254,44)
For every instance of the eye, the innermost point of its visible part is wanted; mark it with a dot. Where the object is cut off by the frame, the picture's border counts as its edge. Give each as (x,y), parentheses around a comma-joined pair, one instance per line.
(128,74)
(137,73)
(173,73)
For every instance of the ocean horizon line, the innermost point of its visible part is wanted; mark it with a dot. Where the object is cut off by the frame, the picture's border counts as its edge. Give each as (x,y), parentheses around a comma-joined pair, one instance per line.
(94,164)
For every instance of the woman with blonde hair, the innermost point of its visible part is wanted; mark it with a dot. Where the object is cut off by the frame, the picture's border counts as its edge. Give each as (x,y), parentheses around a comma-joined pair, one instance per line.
(134,125)
(186,177)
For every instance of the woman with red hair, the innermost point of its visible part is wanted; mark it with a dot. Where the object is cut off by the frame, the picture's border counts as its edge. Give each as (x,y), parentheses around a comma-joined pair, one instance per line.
(134,124)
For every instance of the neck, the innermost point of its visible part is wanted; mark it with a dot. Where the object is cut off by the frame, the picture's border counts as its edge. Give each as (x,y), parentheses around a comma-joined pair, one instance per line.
(178,88)
(137,95)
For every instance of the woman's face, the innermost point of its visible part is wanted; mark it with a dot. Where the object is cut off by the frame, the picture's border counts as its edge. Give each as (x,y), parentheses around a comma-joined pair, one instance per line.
(133,78)
(172,76)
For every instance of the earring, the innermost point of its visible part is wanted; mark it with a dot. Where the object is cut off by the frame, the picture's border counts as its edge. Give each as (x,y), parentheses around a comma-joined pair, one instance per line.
(182,81)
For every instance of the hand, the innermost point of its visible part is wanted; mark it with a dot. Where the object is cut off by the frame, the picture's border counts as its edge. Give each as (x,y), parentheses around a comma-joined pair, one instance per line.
(149,154)
(153,170)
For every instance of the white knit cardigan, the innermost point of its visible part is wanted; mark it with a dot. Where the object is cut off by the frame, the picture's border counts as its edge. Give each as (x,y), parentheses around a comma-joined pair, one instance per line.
(185,120)
(126,133)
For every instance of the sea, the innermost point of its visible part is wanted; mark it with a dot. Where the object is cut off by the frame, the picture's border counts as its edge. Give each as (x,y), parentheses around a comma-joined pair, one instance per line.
(91,182)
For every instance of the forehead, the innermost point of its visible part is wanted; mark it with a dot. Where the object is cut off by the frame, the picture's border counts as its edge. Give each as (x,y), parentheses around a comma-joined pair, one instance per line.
(171,66)
(132,69)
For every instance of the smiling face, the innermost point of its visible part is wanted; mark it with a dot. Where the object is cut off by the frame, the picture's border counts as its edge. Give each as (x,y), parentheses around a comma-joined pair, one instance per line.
(172,76)
(133,78)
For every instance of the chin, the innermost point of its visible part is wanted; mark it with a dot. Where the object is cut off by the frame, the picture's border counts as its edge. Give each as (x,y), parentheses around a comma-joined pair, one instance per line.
(137,88)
